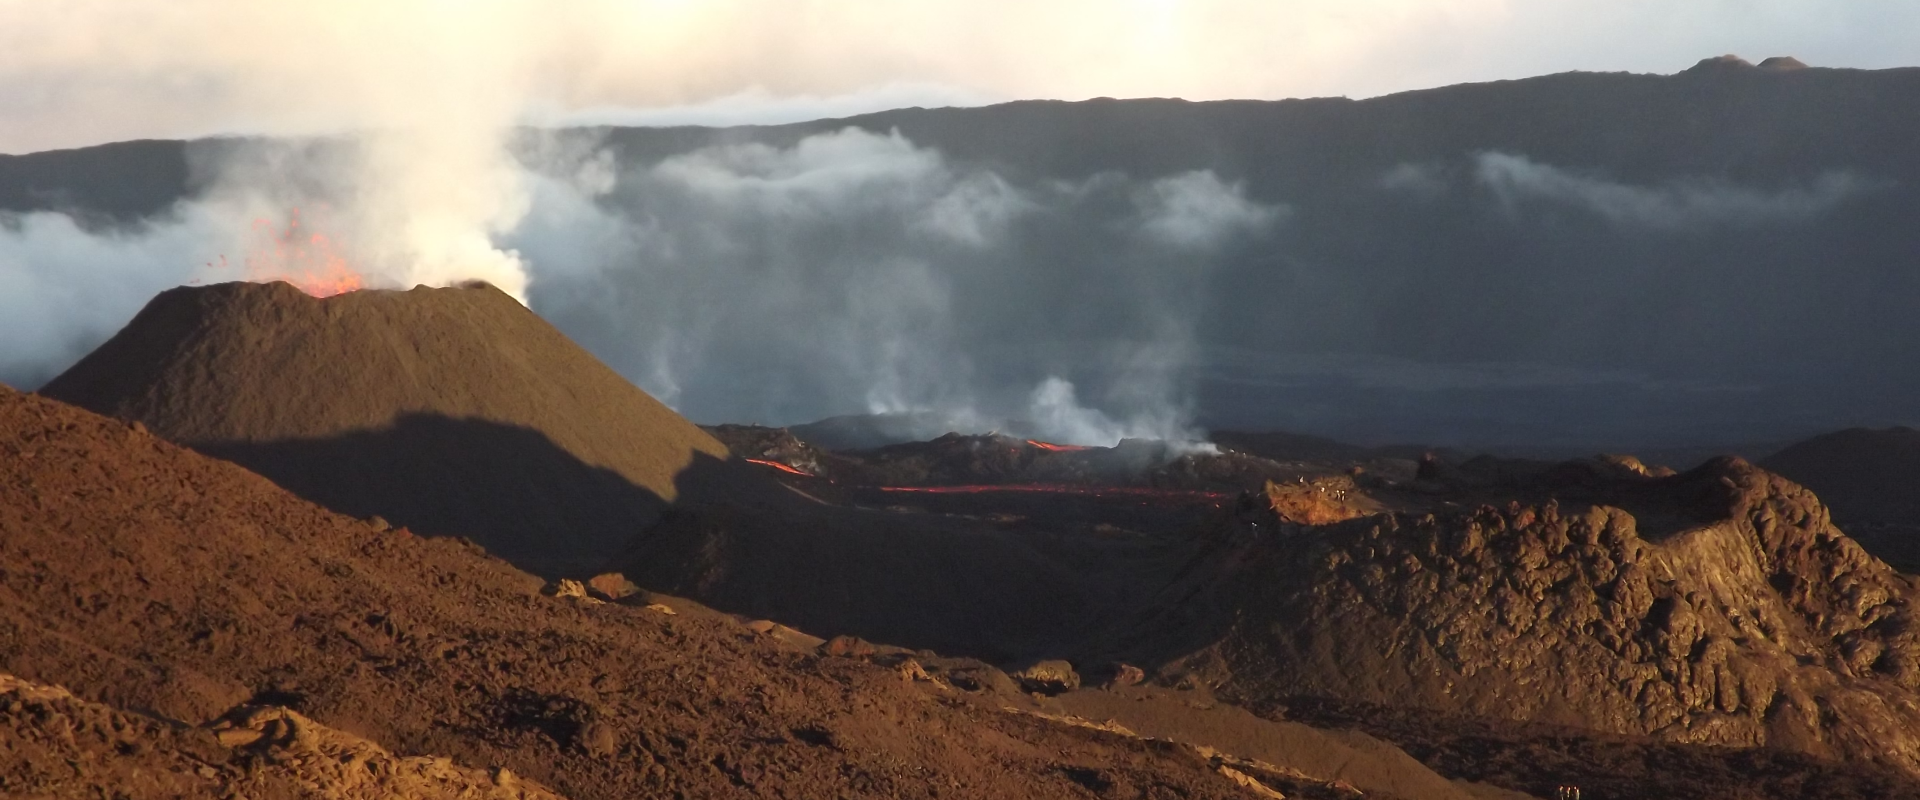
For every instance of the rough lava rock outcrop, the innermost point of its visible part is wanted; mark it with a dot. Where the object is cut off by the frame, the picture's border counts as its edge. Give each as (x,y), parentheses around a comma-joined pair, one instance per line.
(1718,606)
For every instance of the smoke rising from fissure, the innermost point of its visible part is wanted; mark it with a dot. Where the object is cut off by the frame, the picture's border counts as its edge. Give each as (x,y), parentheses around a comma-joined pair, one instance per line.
(1677,205)
(856,272)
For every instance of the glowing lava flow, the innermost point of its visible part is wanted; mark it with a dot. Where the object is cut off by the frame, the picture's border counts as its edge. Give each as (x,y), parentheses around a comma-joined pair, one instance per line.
(305,259)
(1064,488)
(779,466)
(1057,448)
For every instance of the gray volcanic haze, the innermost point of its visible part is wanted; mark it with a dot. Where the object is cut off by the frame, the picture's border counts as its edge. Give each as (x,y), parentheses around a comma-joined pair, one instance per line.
(1381,270)
(1719,255)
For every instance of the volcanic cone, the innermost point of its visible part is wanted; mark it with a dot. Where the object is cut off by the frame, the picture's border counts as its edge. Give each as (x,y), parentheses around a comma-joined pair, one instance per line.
(452,411)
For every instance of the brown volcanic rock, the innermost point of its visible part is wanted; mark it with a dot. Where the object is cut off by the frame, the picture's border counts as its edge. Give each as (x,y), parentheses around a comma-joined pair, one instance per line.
(778,445)
(451,411)
(58,745)
(1318,502)
(1716,607)
(145,576)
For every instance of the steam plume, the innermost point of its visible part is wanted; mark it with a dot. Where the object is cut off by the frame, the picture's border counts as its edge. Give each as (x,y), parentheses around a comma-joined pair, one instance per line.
(1675,205)
(859,272)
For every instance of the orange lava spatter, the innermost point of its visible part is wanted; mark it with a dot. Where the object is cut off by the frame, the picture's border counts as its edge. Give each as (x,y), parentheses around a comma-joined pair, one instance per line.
(1057,448)
(308,260)
(779,466)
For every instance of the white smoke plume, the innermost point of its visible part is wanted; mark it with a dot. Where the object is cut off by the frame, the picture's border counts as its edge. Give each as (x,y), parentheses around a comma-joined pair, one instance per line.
(864,261)
(857,272)
(417,100)
(1198,211)
(63,289)
(852,272)
(1673,205)
(398,207)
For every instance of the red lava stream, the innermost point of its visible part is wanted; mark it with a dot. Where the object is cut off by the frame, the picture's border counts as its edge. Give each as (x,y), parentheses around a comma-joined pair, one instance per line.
(1031,488)
(1058,488)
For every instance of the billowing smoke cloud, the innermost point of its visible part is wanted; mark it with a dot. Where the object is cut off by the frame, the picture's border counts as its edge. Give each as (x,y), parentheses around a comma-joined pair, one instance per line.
(63,289)
(411,183)
(856,272)
(851,272)
(386,209)
(1196,210)
(418,100)
(1674,205)
(400,207)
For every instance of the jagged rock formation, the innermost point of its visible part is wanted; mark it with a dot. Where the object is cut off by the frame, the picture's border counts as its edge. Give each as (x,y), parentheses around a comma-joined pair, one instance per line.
(1718,606)
(451,411)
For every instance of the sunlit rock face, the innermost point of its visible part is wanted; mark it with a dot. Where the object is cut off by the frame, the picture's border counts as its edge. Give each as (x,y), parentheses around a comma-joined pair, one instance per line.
(1716,606)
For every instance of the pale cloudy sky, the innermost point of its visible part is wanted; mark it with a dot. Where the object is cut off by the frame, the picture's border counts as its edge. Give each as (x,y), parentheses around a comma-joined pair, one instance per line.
(75,72)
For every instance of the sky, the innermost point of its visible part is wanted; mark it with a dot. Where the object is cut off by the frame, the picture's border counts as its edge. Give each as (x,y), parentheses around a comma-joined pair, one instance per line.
(79,72)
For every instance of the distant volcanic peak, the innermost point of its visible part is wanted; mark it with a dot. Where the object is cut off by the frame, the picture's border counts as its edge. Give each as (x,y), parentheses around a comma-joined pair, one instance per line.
(1726,63)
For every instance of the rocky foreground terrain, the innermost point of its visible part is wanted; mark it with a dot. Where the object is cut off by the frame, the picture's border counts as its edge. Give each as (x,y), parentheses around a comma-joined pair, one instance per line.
(173,625)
